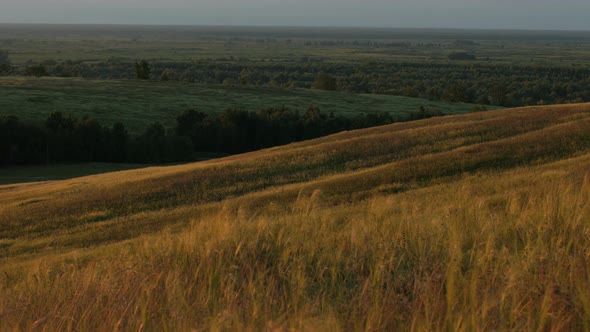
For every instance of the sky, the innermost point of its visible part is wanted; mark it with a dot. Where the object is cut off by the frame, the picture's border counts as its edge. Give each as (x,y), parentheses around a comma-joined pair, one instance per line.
(482,14)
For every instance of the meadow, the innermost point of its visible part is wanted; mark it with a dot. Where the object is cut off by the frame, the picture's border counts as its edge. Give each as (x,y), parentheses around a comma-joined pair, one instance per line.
(138,104)
(466,222)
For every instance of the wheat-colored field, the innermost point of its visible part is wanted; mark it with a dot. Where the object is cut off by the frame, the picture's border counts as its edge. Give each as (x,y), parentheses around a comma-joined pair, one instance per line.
(472,222)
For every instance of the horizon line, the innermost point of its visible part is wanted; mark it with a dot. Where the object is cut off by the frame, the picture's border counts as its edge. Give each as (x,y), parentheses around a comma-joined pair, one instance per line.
(297,26)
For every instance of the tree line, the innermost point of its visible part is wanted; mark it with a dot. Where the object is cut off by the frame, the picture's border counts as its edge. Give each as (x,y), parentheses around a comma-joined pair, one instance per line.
(474,82)
(65,138)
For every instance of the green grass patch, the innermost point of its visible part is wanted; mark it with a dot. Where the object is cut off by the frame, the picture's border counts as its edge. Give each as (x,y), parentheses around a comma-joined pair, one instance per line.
(139,103)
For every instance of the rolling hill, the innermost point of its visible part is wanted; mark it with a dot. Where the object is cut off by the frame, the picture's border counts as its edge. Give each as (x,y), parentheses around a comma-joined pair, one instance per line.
(476,221)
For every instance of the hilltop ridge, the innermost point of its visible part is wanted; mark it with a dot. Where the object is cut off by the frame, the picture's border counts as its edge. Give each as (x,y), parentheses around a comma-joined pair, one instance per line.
(346,166)
(444,221)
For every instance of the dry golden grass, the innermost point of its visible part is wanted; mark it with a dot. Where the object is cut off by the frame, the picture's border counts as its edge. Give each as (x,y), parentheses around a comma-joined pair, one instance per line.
(476,222)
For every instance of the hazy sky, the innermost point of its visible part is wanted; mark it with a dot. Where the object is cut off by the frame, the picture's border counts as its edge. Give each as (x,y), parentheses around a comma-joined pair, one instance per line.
(505,14)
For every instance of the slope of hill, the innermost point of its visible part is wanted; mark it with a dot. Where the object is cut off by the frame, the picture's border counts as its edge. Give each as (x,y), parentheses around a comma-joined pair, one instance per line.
(477,221)
(139,103)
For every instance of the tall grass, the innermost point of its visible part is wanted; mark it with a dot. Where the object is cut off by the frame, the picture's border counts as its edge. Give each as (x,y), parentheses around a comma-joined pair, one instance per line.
(468,256)
(345,164)
(478,222)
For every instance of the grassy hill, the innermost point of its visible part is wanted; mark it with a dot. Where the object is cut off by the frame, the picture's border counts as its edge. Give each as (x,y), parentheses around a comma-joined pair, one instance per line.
(20,174)
(477,221)
(139,103)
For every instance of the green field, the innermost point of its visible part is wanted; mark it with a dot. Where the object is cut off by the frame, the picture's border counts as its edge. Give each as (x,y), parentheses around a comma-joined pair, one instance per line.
(138,103)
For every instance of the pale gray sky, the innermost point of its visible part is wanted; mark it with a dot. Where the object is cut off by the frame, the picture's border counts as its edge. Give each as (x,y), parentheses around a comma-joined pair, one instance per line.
(503,14)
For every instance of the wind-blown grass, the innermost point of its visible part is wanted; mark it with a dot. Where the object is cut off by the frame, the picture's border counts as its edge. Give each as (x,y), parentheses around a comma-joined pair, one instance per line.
(481,224)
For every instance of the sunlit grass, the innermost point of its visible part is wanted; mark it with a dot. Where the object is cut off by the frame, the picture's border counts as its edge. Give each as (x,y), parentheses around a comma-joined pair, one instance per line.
(482,223)
(461,256)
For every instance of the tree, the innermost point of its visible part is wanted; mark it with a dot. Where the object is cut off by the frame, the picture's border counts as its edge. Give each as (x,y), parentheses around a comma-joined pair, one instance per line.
(142,70)
(461,56)
(4,61)
(188,121)
(235,128)
(58,123)
(20,143)
(196,126)
(150,146)
(91,141)
(325,82)
(119,141)
(498,94)
(455,93)
(313,121)
(60,136)
(36,70)
(9,129)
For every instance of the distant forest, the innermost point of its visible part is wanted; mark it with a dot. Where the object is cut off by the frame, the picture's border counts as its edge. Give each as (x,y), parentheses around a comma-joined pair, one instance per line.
(508,85)
(63,138)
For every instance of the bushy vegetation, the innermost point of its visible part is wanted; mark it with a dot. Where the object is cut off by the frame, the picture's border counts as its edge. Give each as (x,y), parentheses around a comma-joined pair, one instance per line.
(507,68)
(478,83)
(4,62)
(140,103)
(461,56)
(453,223)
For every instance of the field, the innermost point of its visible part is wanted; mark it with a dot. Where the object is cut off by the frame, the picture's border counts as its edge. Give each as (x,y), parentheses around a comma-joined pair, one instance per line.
(92,43)
(471,221)
(504,68)
(467,222)
(20,174)
(138,104)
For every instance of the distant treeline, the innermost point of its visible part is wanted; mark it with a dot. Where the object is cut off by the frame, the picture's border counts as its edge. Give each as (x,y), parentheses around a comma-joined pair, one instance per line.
(457,81)
(63,138)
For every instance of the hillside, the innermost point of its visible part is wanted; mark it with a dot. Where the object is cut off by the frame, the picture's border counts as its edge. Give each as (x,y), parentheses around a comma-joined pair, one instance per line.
(138,103)
(477,221)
